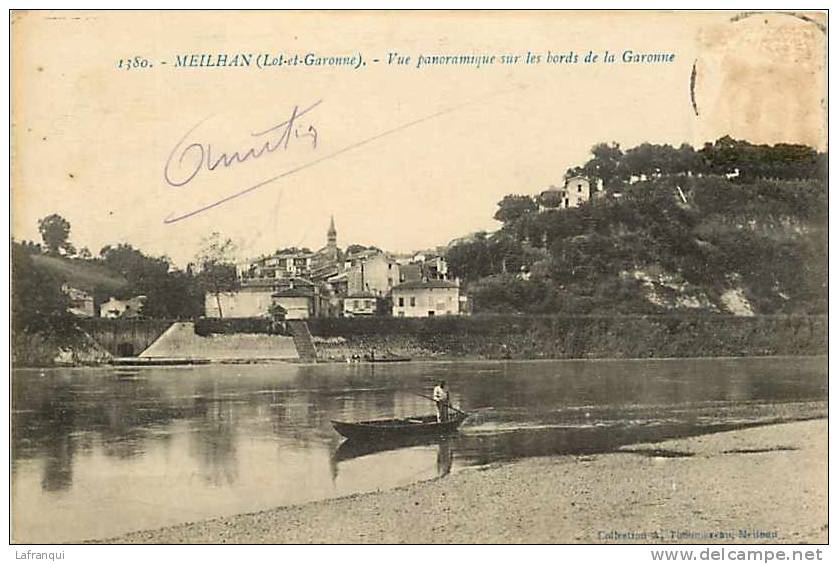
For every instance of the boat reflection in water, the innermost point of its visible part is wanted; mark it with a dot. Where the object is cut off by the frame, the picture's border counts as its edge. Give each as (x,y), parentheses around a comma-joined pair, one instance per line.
(352,449)
(509,444)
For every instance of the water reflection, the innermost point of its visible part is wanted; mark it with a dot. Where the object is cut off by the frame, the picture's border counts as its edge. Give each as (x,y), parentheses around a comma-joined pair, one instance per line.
(348,450)
(478,447)
(242,438)
(444,458)
(213,440)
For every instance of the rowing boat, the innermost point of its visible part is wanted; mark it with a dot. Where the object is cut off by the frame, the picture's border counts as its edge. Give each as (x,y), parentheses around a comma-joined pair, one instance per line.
(372,358)
(389,359)
(419,426)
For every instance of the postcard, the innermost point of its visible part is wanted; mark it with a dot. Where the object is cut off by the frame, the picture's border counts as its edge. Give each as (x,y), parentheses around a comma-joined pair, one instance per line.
(419,277)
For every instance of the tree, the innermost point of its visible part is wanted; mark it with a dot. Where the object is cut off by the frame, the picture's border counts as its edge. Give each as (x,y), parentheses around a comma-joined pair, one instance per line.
(506,293)
(604,164)
(218,270)
(553,198)
(355,248)
(55,231)
(170,293)
(131,263)
(748,161)
(38,304)
(648,160)
(30,247)
(470,259)
(513,207)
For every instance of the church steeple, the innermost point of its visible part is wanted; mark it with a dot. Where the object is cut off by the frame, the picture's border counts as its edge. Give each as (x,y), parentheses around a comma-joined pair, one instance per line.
(332,234)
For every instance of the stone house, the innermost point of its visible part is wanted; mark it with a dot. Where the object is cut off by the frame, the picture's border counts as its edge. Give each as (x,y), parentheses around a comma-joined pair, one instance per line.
(367,272)
(426,298)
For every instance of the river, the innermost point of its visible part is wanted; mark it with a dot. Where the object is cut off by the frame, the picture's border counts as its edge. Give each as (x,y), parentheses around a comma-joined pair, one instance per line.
(101,451)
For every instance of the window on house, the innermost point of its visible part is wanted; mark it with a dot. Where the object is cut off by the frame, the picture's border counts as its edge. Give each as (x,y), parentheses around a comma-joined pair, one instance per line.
(412,301)
(401,302)
(578,187)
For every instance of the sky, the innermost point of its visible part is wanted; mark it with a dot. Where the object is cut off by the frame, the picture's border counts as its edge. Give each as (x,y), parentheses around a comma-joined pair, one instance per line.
(404,158)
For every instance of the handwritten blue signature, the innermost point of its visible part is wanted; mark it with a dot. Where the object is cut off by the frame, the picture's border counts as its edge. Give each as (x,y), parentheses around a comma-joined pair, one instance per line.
(186,161)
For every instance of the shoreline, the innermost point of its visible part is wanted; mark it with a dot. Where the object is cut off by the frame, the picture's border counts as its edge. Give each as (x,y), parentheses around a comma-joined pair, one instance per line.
(419,361)
(490,337)
(680,490)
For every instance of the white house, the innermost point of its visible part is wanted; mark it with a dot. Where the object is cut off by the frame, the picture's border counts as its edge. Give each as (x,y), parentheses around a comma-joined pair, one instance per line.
(426,298)
(247,302)
(125,309)
(576,191)
(368,271)
(298,301)
(360,304)
(283,265)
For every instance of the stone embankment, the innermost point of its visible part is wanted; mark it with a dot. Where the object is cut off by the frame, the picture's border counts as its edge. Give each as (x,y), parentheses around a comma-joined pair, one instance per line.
(180,341)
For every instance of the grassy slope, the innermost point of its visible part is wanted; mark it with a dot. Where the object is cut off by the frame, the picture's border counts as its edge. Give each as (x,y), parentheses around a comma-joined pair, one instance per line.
(80,275)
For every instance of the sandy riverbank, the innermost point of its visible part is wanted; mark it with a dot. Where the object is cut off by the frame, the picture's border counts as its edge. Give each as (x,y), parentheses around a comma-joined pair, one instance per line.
(770,481)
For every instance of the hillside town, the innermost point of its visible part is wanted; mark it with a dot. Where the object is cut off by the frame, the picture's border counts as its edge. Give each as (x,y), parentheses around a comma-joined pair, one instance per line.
(331,282)
(357,281)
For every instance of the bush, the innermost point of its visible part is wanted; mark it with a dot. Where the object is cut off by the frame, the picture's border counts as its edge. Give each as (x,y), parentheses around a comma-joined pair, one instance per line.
(582,336)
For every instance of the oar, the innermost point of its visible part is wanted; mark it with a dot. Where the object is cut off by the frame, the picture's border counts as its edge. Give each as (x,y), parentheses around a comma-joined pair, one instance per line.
(435,401)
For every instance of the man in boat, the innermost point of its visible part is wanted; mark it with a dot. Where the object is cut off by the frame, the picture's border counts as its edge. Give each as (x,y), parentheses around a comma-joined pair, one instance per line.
(441,398)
